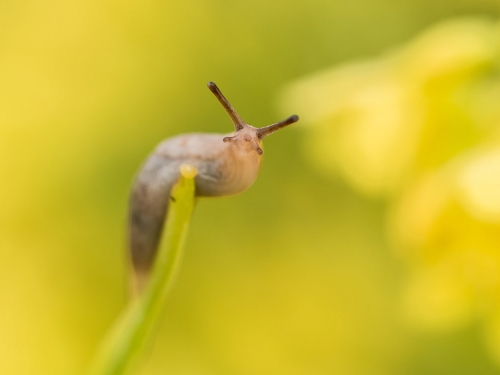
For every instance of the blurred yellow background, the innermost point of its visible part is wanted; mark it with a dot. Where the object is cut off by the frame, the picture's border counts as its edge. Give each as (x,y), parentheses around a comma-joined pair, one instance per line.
(368,245)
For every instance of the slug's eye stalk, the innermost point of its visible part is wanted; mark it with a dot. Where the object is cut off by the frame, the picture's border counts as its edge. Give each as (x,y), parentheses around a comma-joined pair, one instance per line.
(239,124)
(237,121)
(270,129)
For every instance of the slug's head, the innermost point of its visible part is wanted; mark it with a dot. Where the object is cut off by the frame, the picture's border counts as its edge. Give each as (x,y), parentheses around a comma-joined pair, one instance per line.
(247,137)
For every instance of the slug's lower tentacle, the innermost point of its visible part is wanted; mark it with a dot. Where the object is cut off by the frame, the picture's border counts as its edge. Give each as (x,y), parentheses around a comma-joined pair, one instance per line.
(149,202)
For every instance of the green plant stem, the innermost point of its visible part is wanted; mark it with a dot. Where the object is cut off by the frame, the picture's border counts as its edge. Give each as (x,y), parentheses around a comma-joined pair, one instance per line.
(123,349)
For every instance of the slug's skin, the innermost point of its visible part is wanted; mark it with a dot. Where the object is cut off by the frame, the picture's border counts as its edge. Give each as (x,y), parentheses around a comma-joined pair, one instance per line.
(226,164)
(223,169)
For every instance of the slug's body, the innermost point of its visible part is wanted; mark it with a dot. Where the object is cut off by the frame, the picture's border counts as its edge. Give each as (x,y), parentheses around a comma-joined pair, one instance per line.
(226,164)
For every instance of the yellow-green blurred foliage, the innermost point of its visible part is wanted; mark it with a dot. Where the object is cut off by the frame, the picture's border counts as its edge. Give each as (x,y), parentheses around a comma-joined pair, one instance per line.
(295,276)
(421,126)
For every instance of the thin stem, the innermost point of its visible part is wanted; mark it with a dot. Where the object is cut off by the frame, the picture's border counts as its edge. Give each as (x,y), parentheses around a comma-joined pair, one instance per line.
(123,349)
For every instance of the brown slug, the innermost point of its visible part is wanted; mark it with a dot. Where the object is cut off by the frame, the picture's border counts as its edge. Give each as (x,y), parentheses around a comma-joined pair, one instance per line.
(227,164)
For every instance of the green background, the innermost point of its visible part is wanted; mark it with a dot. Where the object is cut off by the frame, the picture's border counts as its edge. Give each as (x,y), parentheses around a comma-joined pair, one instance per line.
(294,276)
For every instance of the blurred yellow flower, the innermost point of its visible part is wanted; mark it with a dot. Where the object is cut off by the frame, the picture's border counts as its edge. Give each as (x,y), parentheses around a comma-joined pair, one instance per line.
(450,218)
(420,126)
(479,184)
(379,122)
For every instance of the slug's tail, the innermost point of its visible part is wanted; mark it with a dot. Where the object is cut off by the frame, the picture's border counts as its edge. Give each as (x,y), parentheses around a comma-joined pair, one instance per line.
(149,202)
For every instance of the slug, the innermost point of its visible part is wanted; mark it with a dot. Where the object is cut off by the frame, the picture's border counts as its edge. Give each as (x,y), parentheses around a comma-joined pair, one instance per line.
(227,164)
